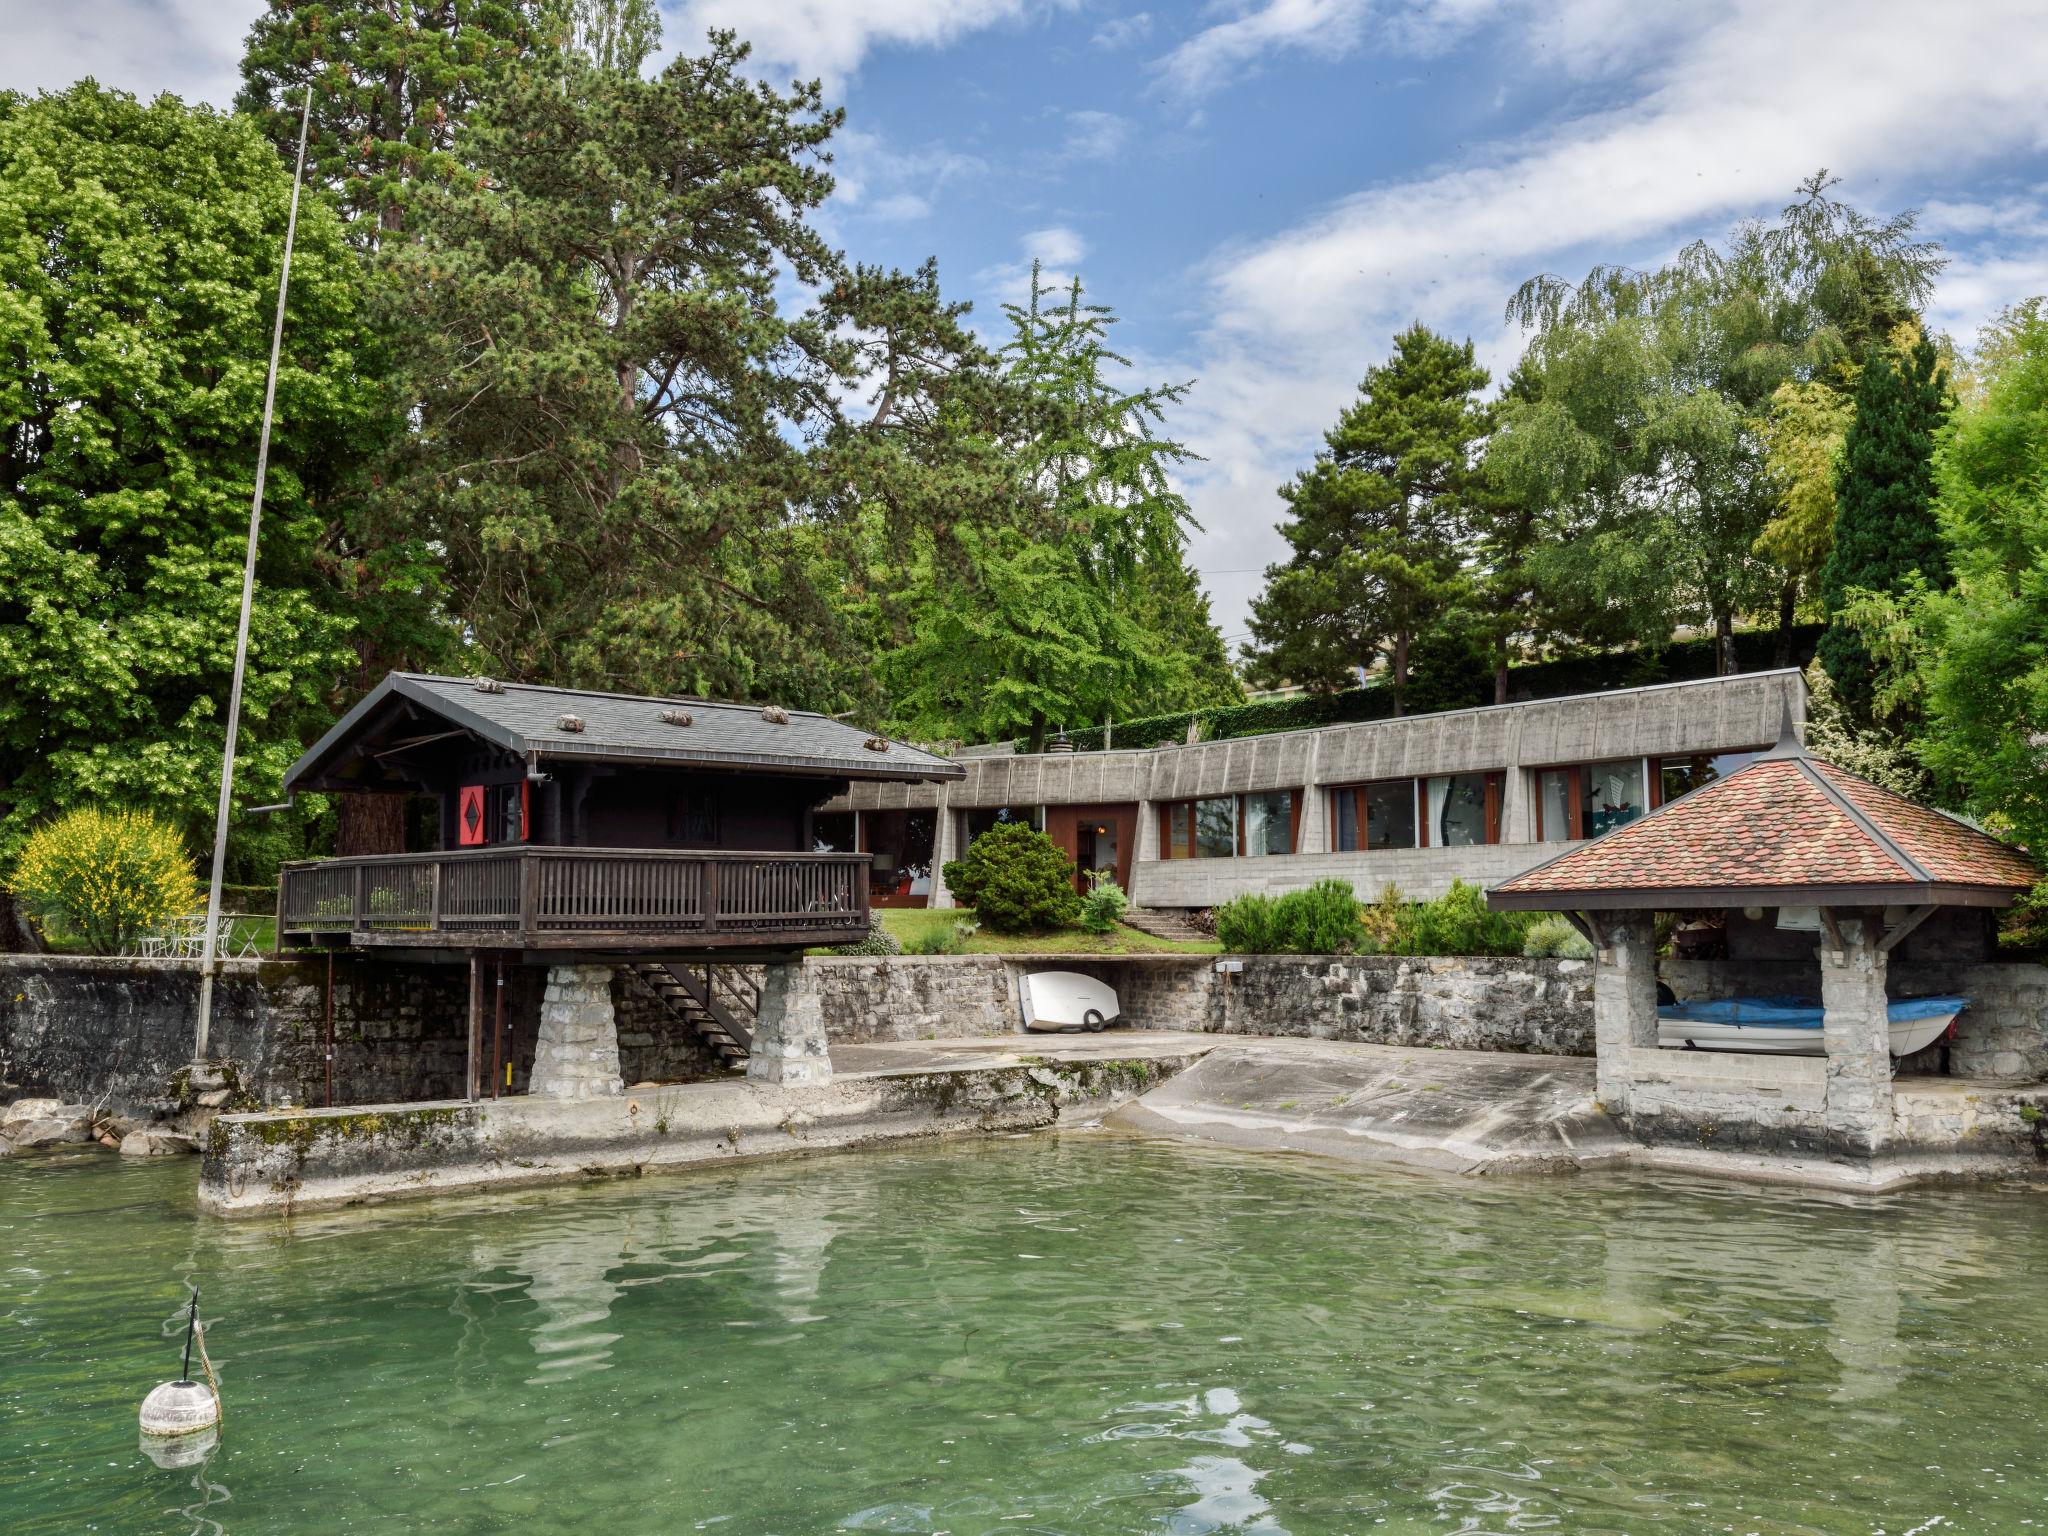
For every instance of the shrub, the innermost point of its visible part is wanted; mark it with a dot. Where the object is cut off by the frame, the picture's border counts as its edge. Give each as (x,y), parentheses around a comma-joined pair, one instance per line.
(1552,937)
(880,941)
(1458,923)
(105,877)
(933,941)
(1384,921)
(1104,905)
(1247,925)
(1017,881)
(1322,920)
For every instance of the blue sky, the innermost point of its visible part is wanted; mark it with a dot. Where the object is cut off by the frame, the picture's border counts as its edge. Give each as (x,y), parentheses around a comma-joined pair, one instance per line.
(1266,190)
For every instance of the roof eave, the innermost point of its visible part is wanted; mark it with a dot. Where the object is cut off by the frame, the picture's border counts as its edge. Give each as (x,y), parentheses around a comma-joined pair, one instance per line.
(1939,893)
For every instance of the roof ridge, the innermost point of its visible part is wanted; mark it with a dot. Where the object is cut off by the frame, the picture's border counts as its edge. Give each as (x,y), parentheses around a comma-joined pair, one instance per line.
(631,698)
(1886,843)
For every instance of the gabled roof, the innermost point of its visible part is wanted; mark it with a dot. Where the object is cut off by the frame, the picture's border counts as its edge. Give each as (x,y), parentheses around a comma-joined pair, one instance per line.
(1785,829)
(525,720)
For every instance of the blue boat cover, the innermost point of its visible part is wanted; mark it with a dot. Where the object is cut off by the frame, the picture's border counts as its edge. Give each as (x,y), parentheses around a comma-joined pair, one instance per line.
(1797,1012)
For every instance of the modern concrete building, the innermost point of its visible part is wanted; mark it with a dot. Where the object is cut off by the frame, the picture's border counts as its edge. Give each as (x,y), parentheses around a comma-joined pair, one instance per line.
(1474,794)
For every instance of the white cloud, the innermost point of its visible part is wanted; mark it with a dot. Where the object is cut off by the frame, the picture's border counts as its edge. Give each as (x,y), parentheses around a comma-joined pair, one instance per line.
(1331,29)
(192,48)
(830,38)
(1058,246)
(900,207)
(1723,122)
(1122,31)
(1093,135)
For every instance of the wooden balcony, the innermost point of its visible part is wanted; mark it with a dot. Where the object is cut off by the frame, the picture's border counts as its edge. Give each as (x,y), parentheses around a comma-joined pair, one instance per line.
(608,899)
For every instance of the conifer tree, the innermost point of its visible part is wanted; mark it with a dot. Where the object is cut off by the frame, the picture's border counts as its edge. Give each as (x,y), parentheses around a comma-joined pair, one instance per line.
(1376,523)
(1885,532)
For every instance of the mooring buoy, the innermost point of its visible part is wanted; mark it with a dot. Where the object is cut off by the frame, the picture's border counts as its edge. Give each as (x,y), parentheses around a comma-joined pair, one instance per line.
(184,1406)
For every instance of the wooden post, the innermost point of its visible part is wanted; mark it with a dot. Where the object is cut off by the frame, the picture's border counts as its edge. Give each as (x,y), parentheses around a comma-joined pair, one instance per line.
(498,1033)
(476,1019)
(529,896)
(434,896)
(359,898)
(711,868)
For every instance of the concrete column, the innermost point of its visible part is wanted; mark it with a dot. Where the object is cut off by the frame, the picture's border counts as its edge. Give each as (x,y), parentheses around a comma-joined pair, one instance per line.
(1312,835)
(945,846)
(1144,846)
(789,1031)
(577,1056)
(1857,1034)
(1624,1001)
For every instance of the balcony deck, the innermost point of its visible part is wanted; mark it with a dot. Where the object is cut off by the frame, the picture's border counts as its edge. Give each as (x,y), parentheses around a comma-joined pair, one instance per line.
(615,900)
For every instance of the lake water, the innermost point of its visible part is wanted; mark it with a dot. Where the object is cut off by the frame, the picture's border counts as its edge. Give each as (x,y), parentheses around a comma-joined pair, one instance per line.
(1072,1334)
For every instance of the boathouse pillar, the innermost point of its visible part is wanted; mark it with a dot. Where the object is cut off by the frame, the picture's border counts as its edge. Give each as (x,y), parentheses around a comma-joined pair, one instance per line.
(1856,1031)
(789,1031)
(1624,1000)
(577,1054)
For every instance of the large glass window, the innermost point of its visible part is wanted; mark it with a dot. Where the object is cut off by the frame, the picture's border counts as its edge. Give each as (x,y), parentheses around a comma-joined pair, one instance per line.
(1554,797)
(1612,794)
(901,845)
(1376,815)
(1200,829)
(1459,813)
(1269,822)
(1682,775)
(980,821)
(832,832)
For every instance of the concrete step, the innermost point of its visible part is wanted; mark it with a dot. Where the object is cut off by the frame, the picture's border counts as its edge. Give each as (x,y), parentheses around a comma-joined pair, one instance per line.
(1163,924)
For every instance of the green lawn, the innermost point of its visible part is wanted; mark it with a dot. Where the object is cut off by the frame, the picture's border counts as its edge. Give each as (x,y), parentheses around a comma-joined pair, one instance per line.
(908,924)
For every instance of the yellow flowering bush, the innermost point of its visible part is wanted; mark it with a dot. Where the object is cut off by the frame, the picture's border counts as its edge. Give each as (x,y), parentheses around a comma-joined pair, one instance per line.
(105,876)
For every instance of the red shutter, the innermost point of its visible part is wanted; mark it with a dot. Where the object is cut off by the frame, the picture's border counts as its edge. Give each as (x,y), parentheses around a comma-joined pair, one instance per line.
(469,816)
(525,810)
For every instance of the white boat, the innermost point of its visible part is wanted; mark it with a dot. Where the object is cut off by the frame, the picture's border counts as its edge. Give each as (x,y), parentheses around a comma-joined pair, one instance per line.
(1791,1026)
(1067,1000)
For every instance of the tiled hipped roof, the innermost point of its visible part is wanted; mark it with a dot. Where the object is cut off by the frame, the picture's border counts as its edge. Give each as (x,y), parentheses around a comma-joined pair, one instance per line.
(1786,822)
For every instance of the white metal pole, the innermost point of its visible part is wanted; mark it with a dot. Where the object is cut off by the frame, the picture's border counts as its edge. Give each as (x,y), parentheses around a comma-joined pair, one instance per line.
(209,953)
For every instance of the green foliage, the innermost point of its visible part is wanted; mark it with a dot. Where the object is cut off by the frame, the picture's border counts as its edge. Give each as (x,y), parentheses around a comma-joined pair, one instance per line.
(1375,524)
(391,85)
(934,941)
(1886,533)
(1017,880)
(1882,756)
(139,250)
(1319,920)
(1458,923)
(1552,937)
(1981,662)
(1104,904)
(1072,602)
(106,877)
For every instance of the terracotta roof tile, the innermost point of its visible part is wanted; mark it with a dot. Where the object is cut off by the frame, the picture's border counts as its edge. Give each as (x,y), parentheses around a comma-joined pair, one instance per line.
(1774,823)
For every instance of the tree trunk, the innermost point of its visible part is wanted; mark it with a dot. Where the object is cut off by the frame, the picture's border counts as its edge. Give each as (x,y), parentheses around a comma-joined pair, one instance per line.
(369,824)
(1034,739)
(17,935)
(1788,606)
(1724,645)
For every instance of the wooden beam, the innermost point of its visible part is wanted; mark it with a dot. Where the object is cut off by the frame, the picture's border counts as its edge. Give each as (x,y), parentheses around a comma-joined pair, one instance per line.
(1583,922)
(1894,936)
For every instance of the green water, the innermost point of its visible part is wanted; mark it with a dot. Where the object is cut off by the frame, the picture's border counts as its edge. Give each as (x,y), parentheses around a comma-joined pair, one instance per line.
(1081,1334)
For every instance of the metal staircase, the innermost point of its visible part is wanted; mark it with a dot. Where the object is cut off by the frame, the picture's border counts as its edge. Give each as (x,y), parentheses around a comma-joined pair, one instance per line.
(718,1004)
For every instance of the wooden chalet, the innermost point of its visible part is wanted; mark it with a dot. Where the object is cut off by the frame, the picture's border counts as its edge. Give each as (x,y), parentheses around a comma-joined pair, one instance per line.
(566,820)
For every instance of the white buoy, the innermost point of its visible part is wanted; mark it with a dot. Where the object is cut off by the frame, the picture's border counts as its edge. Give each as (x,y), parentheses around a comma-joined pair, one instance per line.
(182,1407)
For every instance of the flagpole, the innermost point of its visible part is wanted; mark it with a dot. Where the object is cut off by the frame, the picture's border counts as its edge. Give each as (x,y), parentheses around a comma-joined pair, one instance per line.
(209,954)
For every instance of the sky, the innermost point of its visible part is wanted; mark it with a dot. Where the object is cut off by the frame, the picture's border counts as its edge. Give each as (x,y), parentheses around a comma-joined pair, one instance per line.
(1265,191)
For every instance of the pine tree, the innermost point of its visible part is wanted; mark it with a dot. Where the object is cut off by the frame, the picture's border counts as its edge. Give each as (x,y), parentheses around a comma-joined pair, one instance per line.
(393,81)
(1376,523)
(1886,532)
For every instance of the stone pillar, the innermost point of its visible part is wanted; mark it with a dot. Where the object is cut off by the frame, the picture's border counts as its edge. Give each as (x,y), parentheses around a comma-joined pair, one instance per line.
(1312,836)
(945,846)
(1624,1001)
(1856,1028)
(577,1056)
(789,1031)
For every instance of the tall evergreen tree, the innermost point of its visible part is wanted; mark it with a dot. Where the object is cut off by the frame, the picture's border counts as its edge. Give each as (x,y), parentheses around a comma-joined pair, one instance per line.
(1886,532)
(1376,524)
(393,81)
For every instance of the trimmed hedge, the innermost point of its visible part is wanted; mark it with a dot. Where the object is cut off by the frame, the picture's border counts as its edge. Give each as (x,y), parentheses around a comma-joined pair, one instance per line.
(1678,662)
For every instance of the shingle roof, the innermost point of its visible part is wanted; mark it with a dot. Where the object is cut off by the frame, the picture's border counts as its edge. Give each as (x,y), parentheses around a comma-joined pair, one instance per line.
(526,718)
(1786,827)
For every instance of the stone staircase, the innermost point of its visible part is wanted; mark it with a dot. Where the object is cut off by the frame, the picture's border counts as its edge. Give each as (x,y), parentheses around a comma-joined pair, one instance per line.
(715,1003)
(1164,925)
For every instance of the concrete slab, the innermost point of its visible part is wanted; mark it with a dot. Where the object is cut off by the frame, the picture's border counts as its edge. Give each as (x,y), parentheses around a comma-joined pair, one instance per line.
(1461,1111)
(985,1051)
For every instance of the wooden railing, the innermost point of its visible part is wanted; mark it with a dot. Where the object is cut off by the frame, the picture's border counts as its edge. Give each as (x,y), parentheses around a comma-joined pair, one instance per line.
(598,898)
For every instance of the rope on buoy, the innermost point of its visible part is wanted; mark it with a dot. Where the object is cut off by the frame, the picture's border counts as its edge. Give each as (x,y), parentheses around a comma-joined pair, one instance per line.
(184,1407)
(219,1408)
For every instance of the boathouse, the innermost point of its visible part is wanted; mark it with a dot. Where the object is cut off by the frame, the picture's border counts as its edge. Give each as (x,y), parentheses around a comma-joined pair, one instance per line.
(582,831)
(1787,856)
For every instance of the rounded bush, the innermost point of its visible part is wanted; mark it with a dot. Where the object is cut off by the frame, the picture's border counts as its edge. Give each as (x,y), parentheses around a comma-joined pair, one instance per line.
(1552,937)
(1017,881)
(1321,920)
(1104,905)
(106,877)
